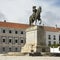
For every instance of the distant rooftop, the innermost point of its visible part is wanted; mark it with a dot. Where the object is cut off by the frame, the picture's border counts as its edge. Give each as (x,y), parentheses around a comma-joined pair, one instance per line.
(25,26)
(13,25)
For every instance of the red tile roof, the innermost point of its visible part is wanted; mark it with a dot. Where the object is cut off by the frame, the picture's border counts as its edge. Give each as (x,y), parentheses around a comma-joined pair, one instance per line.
(25,26)
(13,25)
(52,29)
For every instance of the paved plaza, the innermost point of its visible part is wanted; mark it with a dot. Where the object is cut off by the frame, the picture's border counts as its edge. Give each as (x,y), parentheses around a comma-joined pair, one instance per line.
(28,58)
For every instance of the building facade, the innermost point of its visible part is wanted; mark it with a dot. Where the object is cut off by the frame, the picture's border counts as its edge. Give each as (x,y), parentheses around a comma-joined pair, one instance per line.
(14,36)
(52,35)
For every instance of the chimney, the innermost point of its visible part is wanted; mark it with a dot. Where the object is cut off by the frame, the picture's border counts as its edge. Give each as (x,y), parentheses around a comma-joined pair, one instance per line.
(56,26)
(4,20)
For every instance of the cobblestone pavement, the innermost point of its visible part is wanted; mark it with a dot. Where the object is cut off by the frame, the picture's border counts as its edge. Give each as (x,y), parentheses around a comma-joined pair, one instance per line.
(28,58)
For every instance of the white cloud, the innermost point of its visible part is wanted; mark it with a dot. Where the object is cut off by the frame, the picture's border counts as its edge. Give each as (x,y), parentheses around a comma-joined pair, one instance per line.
(17,9)
(2,16)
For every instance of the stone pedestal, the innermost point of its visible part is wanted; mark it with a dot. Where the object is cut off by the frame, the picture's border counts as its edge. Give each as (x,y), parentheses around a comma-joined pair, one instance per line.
(35,40)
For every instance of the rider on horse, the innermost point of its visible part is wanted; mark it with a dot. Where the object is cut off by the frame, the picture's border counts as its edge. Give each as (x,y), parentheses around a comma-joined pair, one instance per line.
(35,15)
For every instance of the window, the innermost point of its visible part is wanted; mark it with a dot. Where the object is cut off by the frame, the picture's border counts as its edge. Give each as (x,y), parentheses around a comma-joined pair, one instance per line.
(3,48)
(9,49)
(3,31)
(49,43)
(16,41)
(9,40)
(54,37)
(49,36)
(59,42)
(21,32)
(16,49)
(59,37)
(3,40)
(54,42)
(21,41)
(16,32)
(10,31)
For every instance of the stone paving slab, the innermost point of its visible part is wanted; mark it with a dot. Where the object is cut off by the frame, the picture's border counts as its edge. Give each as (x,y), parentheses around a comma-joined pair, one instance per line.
(28,58)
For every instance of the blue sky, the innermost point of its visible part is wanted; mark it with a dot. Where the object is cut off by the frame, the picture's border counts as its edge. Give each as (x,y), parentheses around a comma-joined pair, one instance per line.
(19,11)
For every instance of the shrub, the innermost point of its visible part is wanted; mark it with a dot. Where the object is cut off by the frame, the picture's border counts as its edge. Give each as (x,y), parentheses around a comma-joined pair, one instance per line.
(54,45)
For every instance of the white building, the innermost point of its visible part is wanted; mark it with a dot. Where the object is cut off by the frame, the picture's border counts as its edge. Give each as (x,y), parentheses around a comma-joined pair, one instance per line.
(13,36)
(52,35)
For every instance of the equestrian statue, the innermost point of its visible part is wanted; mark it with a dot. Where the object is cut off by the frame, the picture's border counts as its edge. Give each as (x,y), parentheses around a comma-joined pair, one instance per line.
(35,16)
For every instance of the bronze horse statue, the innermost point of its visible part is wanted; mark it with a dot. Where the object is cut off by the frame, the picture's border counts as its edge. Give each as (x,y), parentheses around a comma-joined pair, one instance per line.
(35,16)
